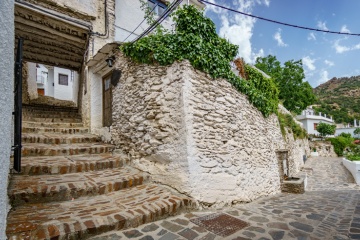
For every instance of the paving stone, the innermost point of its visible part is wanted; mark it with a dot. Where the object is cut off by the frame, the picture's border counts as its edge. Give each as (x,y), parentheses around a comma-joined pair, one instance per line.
(188,234)
(276,235)
(171,226)
(150,228)
(169,236)
(241,238)
(132,233)
(255,229)
(249,234)
(278,225)
(199,229)
(315,216)
(162,232)
(181,221)
(147,237)
(259,219)
(302,226)
(209,236)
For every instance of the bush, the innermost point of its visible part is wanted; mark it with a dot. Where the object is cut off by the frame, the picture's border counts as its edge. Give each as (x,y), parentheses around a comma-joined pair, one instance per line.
(286,120)
(340,143)
(325,129)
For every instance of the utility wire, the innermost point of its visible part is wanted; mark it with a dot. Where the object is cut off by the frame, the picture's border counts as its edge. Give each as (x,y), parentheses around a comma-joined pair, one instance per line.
(141,22)
(277,22)
(168,11)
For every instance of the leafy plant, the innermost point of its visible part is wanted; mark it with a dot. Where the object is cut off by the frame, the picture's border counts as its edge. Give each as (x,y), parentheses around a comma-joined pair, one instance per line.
(340,143)
(287,121)
(357,131)
(293,91)
(195,39)
(325,129)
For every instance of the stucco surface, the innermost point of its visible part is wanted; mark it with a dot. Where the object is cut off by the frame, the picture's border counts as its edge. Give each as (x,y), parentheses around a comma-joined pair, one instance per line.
(6,103)
(198,135)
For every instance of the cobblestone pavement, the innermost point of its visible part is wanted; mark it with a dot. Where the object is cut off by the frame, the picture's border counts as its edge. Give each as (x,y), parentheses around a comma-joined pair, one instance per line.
(329,209)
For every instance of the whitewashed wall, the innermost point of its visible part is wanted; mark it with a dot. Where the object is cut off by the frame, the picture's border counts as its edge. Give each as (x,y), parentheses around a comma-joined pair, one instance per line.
(6,104)
(128,15)
(198,135)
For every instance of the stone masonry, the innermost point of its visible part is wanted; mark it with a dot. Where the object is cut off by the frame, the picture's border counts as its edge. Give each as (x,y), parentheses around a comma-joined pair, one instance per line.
(198,135)
(72,185)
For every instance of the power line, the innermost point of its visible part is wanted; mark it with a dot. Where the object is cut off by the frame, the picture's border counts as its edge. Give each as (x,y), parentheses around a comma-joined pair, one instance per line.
(277,22)
(148,15)
(167,12)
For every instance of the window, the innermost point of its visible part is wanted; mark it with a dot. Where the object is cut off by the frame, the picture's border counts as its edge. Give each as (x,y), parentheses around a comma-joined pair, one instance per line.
(63,79)
(315,125)
(158,6)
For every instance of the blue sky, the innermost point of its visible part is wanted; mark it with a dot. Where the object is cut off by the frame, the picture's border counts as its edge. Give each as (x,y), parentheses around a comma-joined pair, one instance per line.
(324,55)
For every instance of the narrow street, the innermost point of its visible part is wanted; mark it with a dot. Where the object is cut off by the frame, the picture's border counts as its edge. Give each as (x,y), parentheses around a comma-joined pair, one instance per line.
(330,209)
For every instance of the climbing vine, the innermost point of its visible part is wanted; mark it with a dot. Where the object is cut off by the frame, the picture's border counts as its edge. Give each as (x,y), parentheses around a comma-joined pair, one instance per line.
(195,39)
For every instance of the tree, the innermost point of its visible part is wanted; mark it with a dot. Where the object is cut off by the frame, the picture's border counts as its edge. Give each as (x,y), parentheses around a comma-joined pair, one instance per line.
(357,131)
(295,94)
(325,129)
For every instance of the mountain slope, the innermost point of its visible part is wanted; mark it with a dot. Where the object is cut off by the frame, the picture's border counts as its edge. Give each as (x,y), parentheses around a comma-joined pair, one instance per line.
(340,98)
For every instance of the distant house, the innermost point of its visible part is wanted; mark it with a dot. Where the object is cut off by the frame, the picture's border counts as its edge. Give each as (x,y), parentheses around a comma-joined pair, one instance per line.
(341,128)
(310,120)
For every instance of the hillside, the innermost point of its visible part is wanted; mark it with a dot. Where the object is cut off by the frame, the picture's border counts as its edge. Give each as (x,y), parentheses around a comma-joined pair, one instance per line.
(340,97)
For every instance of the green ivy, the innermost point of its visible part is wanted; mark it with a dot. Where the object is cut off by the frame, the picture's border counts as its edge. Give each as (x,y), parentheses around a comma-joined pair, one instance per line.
(195,39)
(287,121)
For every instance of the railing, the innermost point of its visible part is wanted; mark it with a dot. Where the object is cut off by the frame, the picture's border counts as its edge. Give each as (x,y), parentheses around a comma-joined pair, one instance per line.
(18,106)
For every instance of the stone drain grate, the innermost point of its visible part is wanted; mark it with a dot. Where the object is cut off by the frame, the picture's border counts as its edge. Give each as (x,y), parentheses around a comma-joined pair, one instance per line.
(221,224)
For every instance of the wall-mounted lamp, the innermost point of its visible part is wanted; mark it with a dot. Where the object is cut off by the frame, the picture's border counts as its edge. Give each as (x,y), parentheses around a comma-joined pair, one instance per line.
(110,61)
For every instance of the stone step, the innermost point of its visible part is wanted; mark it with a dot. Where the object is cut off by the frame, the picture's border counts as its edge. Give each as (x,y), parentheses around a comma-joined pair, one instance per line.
(48,108)
(53,120)
(64,130)
(70,164)
(50,124)
(57,138)
(40,149)
(90,216)
(26,112)
(46,188)
(49,116)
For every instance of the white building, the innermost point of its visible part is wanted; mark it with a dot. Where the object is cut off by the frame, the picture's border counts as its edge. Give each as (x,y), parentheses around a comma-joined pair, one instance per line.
(310,120)
(348,129)
(59,83)
(129,18)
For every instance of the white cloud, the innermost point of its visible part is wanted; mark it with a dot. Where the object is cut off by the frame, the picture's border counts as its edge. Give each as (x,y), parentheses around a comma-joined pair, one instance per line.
(324,77)
(309,63)
(278,38)
(344,29)
(329,63)
(342,48)
(322,25)
(311,36)
(255,55)
(238,29)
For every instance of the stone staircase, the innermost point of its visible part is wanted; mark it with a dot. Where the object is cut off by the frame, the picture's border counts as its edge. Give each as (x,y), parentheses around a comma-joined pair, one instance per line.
(73,187)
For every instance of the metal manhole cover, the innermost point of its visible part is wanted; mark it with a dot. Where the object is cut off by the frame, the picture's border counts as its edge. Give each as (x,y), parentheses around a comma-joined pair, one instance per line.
(220,224)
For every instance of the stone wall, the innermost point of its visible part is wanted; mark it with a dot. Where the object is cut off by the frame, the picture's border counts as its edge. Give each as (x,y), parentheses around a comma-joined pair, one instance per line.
(6,103)
(323,148)
(198,135)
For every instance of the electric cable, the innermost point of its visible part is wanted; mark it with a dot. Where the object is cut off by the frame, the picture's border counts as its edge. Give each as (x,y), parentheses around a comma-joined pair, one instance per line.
(141,22)
(277,22)
(168,11)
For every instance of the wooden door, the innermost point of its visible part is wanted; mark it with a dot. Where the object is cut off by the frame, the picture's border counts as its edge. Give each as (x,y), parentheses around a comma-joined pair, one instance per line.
(107,101)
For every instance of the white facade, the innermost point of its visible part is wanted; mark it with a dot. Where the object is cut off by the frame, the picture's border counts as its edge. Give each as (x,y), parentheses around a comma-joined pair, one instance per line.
(6,104)
(310,120)
(128,16)
(59,83)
